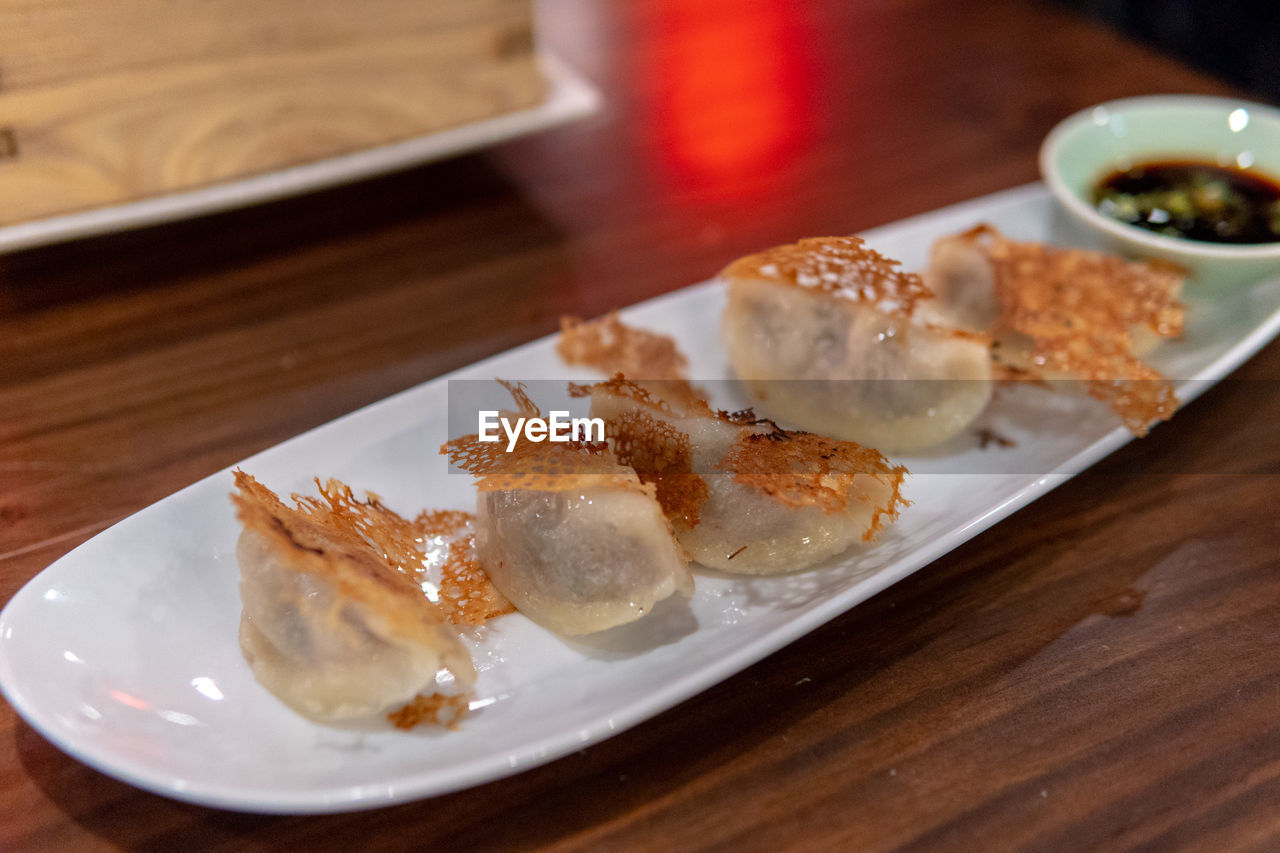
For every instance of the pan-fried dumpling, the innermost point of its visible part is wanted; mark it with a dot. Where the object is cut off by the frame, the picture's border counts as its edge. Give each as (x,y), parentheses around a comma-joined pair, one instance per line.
(743,495)
(831,336)
(329,625)
(573,539)
(1064,314)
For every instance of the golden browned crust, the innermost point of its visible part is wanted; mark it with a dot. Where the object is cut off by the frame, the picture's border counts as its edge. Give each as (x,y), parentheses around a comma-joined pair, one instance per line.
(802,469)
(395,539)
(1078,309)
(436,709)
(611,346)
(524,403)
(614,348)
(380,543)
(444,523)
(794,468)
(844,267)
(308,540)
(620,386)
(538,466)
(661,455)
(467,595)
(544,466)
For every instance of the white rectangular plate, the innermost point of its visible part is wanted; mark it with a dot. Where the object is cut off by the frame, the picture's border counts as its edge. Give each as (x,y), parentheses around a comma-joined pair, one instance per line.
(569,97)
(124,654)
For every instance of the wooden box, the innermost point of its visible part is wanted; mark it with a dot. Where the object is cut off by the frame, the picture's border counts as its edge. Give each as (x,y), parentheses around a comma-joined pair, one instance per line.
(109,101)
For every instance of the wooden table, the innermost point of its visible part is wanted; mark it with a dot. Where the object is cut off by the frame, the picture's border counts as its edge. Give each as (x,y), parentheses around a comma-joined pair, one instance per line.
(1101,670)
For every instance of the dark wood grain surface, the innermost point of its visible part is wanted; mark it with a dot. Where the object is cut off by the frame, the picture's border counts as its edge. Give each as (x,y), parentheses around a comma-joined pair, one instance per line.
(1100,671)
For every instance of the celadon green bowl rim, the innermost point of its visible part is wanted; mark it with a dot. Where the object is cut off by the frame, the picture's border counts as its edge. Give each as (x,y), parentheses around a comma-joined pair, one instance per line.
(1051,149)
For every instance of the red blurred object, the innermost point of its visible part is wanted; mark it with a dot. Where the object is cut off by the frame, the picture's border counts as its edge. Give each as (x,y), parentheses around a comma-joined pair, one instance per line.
(734,88)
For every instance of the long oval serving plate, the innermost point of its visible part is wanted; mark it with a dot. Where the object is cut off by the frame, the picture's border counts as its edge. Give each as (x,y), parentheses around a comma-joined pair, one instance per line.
(123,652)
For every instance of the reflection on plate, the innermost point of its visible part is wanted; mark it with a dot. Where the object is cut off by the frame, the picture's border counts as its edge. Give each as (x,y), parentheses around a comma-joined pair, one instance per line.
(124,654)
(569,97)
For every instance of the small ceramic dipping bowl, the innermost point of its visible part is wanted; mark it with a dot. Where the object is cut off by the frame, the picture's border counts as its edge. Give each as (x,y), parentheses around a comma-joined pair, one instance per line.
(1094,143)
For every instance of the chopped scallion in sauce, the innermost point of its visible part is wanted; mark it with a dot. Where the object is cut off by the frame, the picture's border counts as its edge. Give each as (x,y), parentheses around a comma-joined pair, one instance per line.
(1196,201)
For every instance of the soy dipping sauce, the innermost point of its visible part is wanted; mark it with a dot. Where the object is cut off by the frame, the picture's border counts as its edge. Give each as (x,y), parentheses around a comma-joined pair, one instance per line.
(1194,200)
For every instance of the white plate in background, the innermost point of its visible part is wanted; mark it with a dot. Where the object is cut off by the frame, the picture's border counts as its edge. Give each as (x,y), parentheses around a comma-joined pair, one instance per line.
(569,97)
(123,652)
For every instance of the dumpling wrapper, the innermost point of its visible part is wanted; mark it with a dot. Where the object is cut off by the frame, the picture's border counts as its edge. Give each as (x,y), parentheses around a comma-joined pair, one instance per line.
(830,336)
(328,625)
(1058,313)
(743,495)
(573,539)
